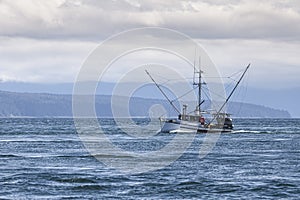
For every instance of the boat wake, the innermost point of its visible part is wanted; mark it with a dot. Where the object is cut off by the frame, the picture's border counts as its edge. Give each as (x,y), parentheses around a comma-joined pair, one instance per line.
(182,131)
(249,131)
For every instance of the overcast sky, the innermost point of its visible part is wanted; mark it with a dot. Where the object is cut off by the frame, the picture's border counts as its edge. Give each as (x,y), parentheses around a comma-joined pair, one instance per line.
(47,41)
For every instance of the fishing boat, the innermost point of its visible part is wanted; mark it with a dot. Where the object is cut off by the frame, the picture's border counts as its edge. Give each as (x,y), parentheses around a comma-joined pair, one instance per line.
(197,120)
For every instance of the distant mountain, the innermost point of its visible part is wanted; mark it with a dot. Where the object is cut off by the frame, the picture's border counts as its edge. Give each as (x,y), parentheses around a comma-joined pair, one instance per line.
(34,104)
(13,104)
(283,99)
(251,110)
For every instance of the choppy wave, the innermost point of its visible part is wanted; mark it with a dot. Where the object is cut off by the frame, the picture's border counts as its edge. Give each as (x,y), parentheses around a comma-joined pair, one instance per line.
(44,158)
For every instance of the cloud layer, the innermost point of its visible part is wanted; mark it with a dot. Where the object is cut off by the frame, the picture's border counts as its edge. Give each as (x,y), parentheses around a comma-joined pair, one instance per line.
(199,19)
(47,41)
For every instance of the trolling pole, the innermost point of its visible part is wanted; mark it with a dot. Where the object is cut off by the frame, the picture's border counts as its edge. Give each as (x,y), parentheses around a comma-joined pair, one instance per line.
(176,109)
(230,94)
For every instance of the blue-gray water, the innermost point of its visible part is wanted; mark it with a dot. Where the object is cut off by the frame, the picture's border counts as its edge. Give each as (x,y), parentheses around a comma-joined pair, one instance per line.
(44,158)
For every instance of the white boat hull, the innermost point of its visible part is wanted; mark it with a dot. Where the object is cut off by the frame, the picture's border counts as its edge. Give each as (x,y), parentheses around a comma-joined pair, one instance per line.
(184,126)
(171,125)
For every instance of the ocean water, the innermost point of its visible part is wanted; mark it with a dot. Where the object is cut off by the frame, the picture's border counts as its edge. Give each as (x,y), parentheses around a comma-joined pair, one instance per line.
(45,158)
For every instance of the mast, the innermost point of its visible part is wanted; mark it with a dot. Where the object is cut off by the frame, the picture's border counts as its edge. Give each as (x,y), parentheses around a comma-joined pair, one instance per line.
(199,88)
(199,84)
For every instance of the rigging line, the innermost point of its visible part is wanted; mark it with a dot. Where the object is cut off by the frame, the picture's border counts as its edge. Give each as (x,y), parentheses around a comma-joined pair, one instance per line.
(190,112)
(232,79)
(229,85)
(185,94)
(230,94)
(245,85)
(207,96)
(235,73)
(205,93)
(210,91)
(212,104)
(158,86)
(238,94)
(205,77)
(194,110)
(229,78)
(175,79)
(169,79)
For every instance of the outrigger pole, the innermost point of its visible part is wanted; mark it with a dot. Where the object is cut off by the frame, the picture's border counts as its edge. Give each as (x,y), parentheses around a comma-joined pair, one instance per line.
(230,94)
(158,86)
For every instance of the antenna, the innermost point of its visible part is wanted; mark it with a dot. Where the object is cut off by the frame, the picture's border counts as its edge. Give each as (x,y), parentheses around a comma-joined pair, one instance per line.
(194,83)
(199,88)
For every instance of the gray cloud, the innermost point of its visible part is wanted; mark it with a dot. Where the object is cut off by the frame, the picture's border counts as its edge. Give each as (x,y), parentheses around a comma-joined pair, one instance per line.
(47,41)
(200,19)
(274,64)
(29,60)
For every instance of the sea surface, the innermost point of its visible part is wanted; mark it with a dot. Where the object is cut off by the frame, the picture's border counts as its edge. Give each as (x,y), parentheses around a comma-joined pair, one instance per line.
(46,159)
